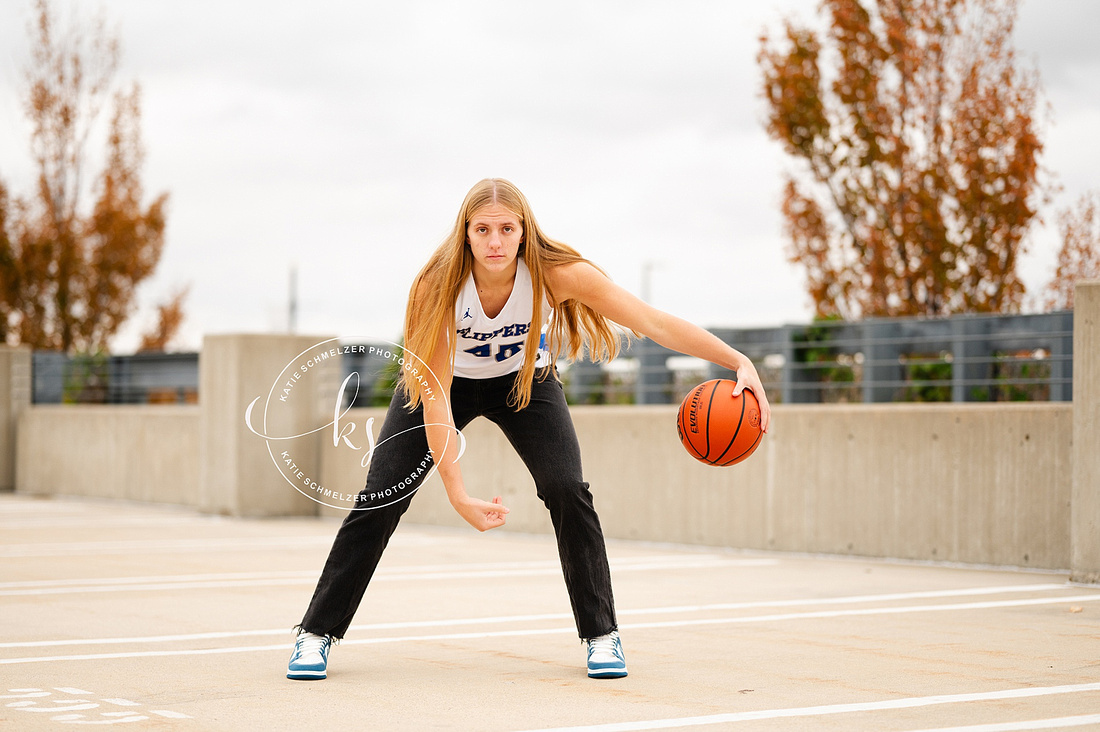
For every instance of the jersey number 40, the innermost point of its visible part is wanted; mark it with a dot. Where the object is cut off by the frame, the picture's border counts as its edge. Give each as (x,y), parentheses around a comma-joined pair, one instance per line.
(504,351)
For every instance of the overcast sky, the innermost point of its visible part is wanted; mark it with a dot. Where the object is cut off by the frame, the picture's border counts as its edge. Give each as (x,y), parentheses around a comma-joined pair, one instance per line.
(340,138)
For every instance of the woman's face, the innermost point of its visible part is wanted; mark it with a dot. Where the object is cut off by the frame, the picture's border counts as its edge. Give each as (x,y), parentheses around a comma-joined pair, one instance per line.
(494,234)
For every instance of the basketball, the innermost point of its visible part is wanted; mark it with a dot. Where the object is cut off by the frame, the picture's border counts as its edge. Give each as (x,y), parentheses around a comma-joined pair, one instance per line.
(716,428)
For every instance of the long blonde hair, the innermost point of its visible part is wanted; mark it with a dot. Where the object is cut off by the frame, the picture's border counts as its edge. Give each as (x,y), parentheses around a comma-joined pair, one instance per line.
(573,328)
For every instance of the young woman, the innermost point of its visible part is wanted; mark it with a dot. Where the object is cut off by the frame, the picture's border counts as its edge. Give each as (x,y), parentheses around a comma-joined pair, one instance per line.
(476,316)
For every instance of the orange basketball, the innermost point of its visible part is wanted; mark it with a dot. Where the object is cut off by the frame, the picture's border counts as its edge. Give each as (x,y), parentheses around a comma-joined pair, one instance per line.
(717,428)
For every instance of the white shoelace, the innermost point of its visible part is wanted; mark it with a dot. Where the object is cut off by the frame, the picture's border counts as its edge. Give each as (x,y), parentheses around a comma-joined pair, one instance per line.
(604,645)
(311,643)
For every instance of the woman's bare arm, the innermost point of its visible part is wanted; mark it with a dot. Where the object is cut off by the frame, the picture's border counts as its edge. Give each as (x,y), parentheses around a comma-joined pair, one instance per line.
(586,284)
(443,441)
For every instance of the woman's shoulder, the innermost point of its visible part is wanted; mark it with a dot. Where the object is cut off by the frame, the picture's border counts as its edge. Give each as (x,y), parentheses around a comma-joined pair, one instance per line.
(569,278)
(568,270)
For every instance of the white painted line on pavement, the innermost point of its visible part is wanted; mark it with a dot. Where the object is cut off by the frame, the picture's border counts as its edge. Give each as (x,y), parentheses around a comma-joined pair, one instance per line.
(570,629)
(285,646)
(847,599)
(872,611)
(818,711)
(288,631)
(211,544)
(679,609)
(274,579)
(397,569)
(162,546)
(1056,723)
(106,522)
(221,576)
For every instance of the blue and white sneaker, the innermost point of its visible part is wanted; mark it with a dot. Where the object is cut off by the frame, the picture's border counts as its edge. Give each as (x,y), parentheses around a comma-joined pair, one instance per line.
(310,658)
(605,657)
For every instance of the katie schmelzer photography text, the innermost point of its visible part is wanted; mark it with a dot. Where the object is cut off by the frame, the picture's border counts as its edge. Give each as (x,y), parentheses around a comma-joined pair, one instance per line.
(295,398)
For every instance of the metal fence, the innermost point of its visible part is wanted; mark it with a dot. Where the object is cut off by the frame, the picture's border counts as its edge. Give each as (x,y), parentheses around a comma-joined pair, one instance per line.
(142,378)
(169,378)
(963,358)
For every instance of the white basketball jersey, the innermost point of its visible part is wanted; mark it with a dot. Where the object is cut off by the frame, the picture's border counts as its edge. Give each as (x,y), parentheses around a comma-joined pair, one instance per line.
(489,347)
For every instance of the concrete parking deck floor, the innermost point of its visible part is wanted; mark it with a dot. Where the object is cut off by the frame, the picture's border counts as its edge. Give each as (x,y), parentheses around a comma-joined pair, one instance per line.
(163,618)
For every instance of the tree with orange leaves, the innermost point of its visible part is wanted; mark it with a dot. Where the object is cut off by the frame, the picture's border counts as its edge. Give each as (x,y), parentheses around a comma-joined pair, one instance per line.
(169,320)
(69,274)
(1079,256)
(917,133)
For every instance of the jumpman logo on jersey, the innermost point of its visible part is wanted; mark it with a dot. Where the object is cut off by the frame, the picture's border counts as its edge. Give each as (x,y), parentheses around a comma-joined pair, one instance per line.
(467,315)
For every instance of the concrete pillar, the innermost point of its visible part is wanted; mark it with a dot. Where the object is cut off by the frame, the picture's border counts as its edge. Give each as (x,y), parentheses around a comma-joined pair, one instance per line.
(1085,503)
(15,393)
(297,378)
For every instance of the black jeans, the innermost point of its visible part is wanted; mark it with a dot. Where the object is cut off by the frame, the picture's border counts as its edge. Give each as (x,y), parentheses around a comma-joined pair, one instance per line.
(542,434)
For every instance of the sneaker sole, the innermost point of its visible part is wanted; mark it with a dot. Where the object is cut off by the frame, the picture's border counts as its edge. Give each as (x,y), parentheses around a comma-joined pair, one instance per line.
(607,673)
(306,675)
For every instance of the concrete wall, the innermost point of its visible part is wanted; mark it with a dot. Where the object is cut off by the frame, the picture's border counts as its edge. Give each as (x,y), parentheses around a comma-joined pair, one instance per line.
(142,453)
(988,484)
